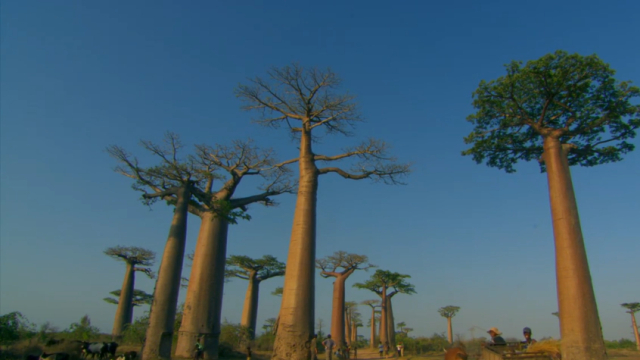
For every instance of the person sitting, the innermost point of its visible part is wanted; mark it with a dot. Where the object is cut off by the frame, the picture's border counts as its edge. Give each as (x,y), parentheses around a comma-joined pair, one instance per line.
(496,339)
(528,340)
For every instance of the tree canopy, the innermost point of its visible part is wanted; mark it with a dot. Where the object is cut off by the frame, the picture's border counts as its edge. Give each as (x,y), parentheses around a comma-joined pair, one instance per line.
(348,262)
(244,267)
(448,311)
(632,308)
(570,97)
(382,279)
(139,298)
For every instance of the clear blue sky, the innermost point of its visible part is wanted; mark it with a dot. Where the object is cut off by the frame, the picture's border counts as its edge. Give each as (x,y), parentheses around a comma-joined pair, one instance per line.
(78,76)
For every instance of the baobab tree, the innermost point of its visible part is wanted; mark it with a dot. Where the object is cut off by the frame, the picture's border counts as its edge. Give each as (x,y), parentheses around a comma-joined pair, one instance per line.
(449,312)
(340,266)
(633,308)
(387,284)
(401,325)
(561,110)
(216,209)
(136,259)
(174,181)
(349,308)
(254,271)
(139,298)
(372,322)
(306,101)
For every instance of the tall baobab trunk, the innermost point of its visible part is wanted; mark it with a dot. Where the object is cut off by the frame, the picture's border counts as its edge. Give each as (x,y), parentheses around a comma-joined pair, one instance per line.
(347,328)
(203,304)
(384,330)
(354,333)
(449,331)
(297,311)
(580,327)
(162,315)
(250,310)
(391,324)
(125,307)
(635,329)
(338,311)
(373,328)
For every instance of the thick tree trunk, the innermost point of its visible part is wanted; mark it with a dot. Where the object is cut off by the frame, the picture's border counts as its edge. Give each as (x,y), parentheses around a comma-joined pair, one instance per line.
(635,330)
(391,324)
(203,304)
(162,315)
(579,322)
(250,310)
(337,311)
(297,310)
(449,331)
(125,306)
(373,328)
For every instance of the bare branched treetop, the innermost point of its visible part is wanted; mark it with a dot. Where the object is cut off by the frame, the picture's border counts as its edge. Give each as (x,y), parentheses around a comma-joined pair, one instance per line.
(632,308)
(132,255)
(308,103)
(384,279)
(139,298)
(449,311)
(246,268)
(342,260)
(227,165)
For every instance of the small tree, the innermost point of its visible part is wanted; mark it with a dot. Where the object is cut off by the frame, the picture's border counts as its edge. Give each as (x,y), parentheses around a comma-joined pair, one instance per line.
(305,101)
(401,326)
(340,266)
(449,312)
(136,259)
(633,308)
(13,327)
(255,271)
(562,110)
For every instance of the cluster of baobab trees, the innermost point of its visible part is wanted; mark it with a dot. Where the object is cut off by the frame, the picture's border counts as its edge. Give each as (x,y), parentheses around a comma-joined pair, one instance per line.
(560,110)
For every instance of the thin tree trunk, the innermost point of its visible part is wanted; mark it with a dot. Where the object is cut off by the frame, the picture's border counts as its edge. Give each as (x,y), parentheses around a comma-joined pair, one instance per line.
(635,329)
(449,331)
(373,328)
(580,326)
(203,304)
(162,315)
(337,311)
(297,312)
(250,310)
(125,305)
(354,333)
(347,327)
(384,330)
(391,324)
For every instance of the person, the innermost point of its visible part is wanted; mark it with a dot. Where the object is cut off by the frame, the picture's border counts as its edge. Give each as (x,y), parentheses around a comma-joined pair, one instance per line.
(248,352)
(380,349)
(328,344)
(399,349)
(496,339)
(197,354)
(314,347)
(528,340)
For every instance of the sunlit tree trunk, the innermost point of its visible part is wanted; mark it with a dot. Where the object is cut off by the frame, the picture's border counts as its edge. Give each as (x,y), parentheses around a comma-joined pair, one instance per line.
(337,311)
(162,315)
(203,304)
(449,331)
(297,310)
(124,312)
(635,330)
(372,345)
(354,333)
(384,330)
(250,310)
(579,322)
(391,327)
(347,328)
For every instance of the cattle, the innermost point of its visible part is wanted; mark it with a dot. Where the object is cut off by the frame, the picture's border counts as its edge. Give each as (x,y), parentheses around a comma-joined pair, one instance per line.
(111,348)
(93,349)
(129,355)
(455,353)
(54,356)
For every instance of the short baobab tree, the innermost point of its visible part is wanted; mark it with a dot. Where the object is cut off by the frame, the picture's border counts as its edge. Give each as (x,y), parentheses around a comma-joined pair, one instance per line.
(449,312)
(254,271)
(633,308)
(136,259)
(217,208)
(307,103)
(340,266)
(387,284)
(372,321)
(561,110)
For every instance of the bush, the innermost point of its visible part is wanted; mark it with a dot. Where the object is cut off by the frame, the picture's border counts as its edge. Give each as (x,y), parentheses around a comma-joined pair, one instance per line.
(13,327)
(135,332)
(620,344)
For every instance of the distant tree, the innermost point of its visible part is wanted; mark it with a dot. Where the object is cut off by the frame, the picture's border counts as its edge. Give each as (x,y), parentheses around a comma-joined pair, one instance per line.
(349,308)
(401,325)
(83,330)
(136,259)
(139,298)
(269,325)
(563,110)
(254,271)
(306,102)
(449,312)
(407,330)
(633,308)
(340,266)
(387,284)
(372,321)
(320,325)
(13,327)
